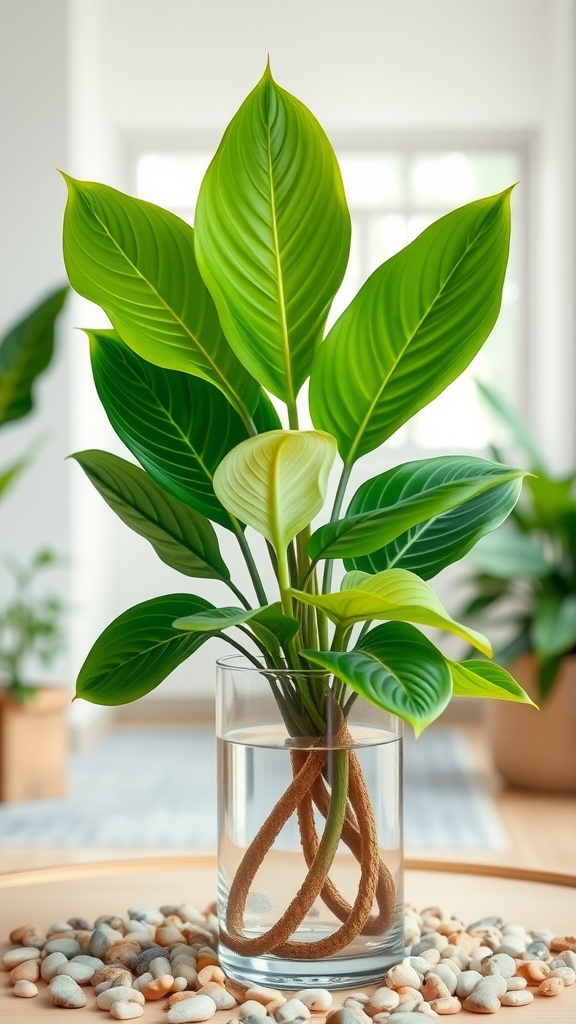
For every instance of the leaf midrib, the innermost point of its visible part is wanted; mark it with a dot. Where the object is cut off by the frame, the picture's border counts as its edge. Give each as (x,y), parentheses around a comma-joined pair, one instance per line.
(279,274)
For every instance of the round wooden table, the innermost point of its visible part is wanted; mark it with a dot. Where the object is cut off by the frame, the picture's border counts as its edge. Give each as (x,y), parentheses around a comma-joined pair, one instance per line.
(43,895)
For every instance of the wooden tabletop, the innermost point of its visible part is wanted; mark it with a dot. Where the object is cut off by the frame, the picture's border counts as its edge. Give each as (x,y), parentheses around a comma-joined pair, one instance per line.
(43,895)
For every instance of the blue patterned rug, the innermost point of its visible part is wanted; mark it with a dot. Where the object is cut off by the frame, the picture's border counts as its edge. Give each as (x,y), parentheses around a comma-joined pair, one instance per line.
(156,788)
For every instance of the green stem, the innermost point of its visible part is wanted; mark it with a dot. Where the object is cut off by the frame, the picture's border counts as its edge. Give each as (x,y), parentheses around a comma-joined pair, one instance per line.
(252,567)
(243,600)
(243,650)
(329,565)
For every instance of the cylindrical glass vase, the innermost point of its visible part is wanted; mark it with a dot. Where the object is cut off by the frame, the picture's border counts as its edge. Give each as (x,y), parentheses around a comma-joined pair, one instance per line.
(309,830)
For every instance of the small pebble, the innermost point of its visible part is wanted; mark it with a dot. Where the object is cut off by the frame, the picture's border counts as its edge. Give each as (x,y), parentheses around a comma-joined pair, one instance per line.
(518,997)
(81,973)
(466,982)
(514,946)
(190,1010)
(118,993)
(402,974)
(126,1011)
(293,1009)
(383,999)
(561,943)
(562,971)
(499,963)
(550,987)
(69,947)
(25,989)
(251,1007)
(15,957)
(516,983)
(537,950)
(64,991)
(343,1015)
(223,999)
(158,987)
(446,1005)
(434,988)
(318,999)
(30,971)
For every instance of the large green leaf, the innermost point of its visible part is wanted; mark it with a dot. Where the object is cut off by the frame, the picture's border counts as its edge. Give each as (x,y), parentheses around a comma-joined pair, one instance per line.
(394,594)
(554,625)
(271,617)
(412,328)
(364,532)
(509,555)
(137,262)
(396,668)
(181,537)
(485,679)
(443,538)
(273,236)
(138,650)
(178,426)
(276,482)
(25,352)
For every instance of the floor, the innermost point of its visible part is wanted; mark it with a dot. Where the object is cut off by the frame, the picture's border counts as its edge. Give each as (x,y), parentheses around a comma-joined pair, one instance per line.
(138,795)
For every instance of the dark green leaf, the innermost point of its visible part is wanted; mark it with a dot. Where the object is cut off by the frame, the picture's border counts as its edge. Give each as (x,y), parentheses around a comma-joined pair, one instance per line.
(365,532)
(138,650)
(178,426)
(554,625)
(137,262)
(444,538)
(181,537)
(413,327)
(395,667)
(547,676)
(273,235)
(25,352)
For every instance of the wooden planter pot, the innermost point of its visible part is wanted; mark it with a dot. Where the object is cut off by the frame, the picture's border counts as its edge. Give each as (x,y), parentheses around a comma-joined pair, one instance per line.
(33,745)
(537,749)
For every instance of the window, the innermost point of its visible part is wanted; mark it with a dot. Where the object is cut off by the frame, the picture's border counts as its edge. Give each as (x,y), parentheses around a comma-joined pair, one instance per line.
(394,193)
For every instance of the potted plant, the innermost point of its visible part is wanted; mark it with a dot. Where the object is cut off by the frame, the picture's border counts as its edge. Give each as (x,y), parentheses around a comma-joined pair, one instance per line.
(33,739)
(207,324)
(525,575)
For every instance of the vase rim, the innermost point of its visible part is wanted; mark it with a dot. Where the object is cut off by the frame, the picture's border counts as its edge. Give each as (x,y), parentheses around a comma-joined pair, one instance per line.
(238,663)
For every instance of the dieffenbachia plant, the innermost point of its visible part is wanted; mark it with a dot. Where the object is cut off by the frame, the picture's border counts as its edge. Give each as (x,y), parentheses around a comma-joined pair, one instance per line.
(207,324)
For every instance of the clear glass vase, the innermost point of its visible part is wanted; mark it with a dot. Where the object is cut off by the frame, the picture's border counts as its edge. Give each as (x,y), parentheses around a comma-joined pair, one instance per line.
(310,830)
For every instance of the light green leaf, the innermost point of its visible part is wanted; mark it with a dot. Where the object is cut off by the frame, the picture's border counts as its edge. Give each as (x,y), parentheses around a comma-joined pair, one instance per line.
(363,532)
(554,625)
(396,668)
(137,262)
(394,594)
(25,352)
(273,236)
(138,650)
(508,555)
(180,536)
(446,536)
(413,327)
(179,427)
(485,679)
(276,482)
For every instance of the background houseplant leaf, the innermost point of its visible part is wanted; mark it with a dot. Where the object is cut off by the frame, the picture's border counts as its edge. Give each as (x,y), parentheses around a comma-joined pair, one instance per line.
(365,530)
(413,327)
(138,650)
(394,594)
(276,482)
(475,678)
(554,625)
(137,262)
(518,429)
(25,351)
(396,668)
(508,555)
(273,235)
(178,426)
(180,536)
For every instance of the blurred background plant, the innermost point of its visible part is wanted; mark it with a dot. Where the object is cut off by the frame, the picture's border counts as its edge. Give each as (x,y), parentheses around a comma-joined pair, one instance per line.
(30,622)
(525,573)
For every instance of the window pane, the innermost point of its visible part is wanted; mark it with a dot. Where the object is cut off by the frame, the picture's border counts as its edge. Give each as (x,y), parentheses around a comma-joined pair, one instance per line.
(372,180)
(171,179)
(446,180)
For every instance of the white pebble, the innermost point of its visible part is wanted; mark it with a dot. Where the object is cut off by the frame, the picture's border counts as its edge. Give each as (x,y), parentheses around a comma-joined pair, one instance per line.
(513,945)
(520,997)
(82,973)
(223,999)
(499,963)
(252,1008)
(466,982)
(25,989)
(293,1009)
(566,973)
(190,1010)
(64,991)
(14,957)
(319,999)
(119,993)
(402,975)
(382,999)
(159,966)
(49,966)
(516,983)
(126,1011)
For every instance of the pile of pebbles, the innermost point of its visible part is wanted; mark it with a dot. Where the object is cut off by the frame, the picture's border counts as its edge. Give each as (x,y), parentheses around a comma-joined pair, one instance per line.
(170,954)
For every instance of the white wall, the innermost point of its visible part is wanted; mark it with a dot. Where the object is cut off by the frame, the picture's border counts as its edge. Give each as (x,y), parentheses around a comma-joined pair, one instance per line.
(377,65)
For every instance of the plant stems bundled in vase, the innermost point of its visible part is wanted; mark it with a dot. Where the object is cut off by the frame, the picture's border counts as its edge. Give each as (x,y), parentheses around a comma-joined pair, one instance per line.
(208,323)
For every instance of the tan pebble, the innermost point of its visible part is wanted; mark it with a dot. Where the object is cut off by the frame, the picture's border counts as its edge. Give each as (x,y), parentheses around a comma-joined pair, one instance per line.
(274,1004)
(30,971)
(550,987)
(177,997)
(204,960)
(362,997)
(122,993)
(402,974)
(157,988)
(167,935)
(407,993)
(14,957)
(237,988)
(25,989)
(434,988)
(534,971)
(179,985)
(17,933)
(223,999)
(424,1009)
(32,937)
(109,973)
(214,973)
(144,979)
(516,984)
(561,943)
(446,1005)
(126,1011)
(518,997)
(261,994)
(382,1000)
